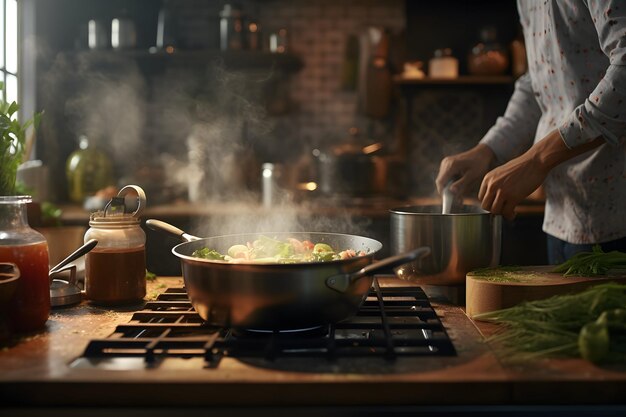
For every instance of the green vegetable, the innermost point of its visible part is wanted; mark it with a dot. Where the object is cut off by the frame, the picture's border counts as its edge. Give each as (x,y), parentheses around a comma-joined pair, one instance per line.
(265,247)
(206,253)
(12,141)
(593,341)
(615,319)
(323,252)
(322,247)
(593,263)
(234,250)
(554,326)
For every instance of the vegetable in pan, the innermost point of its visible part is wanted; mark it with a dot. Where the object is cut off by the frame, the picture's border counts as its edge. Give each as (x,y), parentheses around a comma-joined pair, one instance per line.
(269,250)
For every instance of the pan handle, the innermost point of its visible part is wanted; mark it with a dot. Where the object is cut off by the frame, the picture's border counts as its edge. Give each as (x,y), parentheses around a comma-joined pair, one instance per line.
(160,226)
(342,282)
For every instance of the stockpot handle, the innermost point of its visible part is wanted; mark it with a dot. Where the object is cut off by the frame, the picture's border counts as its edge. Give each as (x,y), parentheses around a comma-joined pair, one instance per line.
(160,226)
(342,282)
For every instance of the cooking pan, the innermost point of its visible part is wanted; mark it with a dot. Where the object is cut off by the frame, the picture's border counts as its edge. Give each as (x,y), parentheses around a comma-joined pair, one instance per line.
(279,296)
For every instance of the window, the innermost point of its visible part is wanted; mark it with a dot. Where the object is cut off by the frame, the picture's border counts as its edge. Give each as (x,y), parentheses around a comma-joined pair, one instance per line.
(8,48)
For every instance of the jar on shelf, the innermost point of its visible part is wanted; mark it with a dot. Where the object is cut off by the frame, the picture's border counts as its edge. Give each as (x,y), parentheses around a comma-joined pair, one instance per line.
(443,64)
(88,170)
(231,28)
(488,57)
(115,270)
(29,307)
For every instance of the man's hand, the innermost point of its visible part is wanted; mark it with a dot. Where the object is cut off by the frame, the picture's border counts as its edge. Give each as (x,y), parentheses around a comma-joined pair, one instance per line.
(467,167)
(506,186)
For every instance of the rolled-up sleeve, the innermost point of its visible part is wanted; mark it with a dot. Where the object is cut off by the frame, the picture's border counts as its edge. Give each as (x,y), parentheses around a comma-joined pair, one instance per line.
(513,133)
(604,112)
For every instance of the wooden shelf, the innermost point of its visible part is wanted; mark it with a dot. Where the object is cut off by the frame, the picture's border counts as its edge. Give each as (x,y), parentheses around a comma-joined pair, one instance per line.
(461,80)
(236,60)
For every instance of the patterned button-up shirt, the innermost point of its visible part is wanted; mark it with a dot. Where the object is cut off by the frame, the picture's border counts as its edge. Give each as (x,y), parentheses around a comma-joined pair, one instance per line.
(576,83)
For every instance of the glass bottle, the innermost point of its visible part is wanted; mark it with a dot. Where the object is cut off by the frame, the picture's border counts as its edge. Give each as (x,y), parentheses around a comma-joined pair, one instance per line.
(88,170)
(30,305)
(115,270)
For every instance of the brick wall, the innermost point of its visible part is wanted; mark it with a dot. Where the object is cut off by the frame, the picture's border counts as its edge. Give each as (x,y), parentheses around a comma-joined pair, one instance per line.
(317,32)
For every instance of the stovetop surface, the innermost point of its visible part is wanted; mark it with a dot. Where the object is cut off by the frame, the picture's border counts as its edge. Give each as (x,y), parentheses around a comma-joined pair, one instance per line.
(393,327)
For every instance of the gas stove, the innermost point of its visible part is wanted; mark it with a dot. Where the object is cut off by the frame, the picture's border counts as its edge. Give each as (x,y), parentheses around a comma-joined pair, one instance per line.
(394,328)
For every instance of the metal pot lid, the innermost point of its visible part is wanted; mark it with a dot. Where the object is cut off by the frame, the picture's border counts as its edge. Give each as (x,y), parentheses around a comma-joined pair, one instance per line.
(65,292)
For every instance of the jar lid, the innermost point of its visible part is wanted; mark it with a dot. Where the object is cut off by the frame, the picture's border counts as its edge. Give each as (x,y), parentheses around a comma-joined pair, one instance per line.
(114,213)
(100,218)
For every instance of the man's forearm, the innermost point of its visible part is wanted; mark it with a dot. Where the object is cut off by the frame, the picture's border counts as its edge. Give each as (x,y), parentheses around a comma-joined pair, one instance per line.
(552,150)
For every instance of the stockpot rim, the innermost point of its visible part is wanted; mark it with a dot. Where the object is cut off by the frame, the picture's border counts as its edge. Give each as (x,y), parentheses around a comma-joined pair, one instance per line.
(411,210)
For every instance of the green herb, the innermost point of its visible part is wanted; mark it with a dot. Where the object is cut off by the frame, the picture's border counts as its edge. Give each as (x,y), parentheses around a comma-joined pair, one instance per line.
(206,253)
(150,276)
(565,325)
(12,141)
(50,214)
(593,263)
(501,274)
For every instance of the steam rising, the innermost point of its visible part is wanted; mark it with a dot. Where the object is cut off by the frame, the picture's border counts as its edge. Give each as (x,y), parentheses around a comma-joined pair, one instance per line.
(110,110)
(203,134)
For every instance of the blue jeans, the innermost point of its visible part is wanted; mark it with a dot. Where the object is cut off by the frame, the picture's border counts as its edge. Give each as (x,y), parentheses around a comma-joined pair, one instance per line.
(559,251)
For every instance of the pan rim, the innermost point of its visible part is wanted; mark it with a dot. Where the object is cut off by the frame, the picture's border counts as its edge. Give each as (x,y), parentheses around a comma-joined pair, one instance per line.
(274,265)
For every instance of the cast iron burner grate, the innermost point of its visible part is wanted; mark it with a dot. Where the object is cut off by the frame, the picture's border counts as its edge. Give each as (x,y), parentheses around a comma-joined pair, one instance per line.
(392,322)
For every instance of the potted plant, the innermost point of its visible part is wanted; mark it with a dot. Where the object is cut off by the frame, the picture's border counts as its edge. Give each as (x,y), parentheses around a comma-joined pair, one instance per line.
(12,143)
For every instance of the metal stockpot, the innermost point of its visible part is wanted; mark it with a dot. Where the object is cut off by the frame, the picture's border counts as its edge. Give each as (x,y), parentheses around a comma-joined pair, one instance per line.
(351,168)
(459,242)
(279,296)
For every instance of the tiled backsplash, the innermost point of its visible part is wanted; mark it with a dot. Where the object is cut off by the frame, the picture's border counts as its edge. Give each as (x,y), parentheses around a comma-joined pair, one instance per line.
(441,123)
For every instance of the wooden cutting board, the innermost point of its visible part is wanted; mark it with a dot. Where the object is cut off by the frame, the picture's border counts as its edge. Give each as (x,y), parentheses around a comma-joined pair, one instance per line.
(508,286)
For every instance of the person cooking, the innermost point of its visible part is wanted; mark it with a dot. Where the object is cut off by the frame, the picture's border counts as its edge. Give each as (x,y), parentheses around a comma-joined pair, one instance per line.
(564,127)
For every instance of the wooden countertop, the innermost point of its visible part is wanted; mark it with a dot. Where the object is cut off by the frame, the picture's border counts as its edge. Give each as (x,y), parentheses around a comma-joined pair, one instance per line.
(35,372)
(73,214)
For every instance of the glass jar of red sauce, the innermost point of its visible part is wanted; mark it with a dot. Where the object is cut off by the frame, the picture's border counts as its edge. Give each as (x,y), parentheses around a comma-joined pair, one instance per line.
(29,307)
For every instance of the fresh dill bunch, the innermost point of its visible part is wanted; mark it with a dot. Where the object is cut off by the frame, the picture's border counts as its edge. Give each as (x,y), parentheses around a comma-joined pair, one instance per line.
(552,327)
(594,263)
